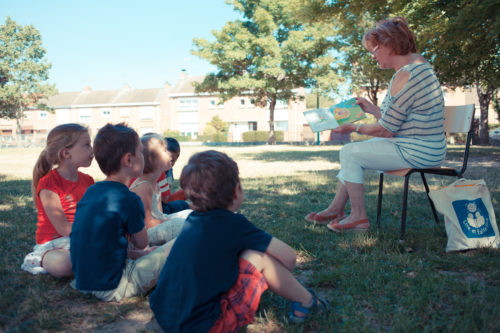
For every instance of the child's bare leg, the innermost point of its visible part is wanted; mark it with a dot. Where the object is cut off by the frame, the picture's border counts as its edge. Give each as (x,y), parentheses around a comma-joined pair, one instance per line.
(278,277)
(57,263)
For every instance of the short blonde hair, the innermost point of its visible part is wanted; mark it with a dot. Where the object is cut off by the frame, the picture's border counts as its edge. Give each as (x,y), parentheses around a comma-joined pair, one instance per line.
(150,141)
(393,33)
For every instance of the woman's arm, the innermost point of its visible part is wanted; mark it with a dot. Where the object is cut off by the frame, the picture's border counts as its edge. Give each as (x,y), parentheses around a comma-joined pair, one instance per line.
(368,107)
(282,252)
(54,210)
(366,129)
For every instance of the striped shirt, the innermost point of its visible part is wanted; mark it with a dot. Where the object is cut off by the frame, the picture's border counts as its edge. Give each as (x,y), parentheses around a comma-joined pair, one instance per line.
(415,116)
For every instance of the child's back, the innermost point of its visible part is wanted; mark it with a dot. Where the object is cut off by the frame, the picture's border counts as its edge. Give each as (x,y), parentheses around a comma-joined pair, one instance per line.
(106,213)
(202,265)
(108,217)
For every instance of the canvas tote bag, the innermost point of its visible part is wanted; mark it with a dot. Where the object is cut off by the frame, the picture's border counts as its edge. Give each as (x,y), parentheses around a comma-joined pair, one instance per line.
(468,214)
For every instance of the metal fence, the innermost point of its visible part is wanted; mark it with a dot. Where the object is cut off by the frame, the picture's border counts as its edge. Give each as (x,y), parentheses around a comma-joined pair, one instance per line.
(23,140)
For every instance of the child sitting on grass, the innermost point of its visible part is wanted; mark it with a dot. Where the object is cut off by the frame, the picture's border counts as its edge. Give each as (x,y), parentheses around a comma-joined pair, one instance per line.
(56,191)
(161,227)
(221,263)
(107,217)
(171,202)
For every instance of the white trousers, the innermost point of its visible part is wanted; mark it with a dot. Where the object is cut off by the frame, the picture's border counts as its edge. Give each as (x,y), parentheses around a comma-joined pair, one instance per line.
(373,154)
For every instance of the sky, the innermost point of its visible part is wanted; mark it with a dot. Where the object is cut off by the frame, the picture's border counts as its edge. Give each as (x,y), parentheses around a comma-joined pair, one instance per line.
(107,44)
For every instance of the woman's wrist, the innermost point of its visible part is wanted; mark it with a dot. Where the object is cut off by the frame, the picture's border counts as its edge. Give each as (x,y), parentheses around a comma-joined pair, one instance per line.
(357,128)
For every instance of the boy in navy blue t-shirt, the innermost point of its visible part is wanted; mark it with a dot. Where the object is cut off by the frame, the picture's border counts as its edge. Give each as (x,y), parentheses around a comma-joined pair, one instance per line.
(221,263)
(107,217)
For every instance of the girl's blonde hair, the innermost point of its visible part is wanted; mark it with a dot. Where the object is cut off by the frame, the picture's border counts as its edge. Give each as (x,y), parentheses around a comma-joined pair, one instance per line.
(149,142)
(59,138)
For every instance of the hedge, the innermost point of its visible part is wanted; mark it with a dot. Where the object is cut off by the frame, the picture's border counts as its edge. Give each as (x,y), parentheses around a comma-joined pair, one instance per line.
(261,136)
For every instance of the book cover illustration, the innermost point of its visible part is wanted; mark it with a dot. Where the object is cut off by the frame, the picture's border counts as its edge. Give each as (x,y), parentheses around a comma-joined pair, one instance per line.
(329,118)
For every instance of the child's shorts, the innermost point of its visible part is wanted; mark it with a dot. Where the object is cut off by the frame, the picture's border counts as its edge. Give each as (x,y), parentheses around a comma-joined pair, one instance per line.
(139,276)
(33,261)
(240,303)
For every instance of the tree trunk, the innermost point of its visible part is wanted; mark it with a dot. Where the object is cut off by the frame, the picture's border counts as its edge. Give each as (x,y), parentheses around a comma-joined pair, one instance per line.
(272,137)
(484,102)
(19,115)
(372,91)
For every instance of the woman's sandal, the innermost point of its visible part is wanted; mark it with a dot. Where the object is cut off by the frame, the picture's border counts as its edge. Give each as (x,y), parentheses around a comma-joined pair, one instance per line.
(317,305)
(323,219)
(356,226)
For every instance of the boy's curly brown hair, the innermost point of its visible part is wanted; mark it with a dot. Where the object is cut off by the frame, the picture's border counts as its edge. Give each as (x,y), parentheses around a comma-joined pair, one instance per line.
(209,180)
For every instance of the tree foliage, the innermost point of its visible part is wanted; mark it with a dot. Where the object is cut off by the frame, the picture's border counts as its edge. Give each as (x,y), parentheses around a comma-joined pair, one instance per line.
(461,38)
(268,54)
(23,71)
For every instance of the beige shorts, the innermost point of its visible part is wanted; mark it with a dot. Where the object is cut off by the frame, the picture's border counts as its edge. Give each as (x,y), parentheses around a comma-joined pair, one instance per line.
(139,276)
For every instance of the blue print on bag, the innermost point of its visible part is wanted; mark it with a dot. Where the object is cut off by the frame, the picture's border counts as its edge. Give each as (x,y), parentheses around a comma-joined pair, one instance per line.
(473,218)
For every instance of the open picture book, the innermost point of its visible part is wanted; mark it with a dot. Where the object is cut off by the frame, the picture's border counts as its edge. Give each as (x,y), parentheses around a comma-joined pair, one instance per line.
(329,118)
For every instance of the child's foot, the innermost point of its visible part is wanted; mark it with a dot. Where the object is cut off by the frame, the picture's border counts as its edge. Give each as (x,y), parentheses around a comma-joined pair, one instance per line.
(299,311)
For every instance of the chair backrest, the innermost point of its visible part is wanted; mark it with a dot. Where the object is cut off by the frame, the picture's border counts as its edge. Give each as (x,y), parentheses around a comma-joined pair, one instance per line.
(458,119)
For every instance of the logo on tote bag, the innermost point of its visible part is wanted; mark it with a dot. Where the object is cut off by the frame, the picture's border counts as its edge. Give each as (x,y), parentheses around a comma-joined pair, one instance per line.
(473,218)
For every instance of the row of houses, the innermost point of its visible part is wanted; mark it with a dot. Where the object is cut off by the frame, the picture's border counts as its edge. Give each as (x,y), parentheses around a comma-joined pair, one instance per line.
(158,110)
(178,108)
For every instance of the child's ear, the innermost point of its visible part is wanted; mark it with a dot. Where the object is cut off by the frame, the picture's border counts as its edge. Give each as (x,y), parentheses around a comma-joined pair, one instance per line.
(65,154)
(127,160)
(237,190)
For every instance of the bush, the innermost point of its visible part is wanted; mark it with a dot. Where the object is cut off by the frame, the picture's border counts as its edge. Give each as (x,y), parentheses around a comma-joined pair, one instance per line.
(219,137)
(176,135)
(261,136)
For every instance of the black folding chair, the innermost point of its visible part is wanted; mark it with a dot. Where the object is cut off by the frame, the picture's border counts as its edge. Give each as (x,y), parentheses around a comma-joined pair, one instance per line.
(457,119)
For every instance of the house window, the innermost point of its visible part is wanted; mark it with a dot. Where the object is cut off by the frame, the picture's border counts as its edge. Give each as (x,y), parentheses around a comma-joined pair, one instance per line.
(186,104)
(213,104)
(42,115)
(147,113)
(105,113)
(85,115)
(281,125)
(252,125)
(252,102)
(242,102)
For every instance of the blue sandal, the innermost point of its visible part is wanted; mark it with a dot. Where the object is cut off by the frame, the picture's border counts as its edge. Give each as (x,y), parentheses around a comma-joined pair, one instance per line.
(323,306)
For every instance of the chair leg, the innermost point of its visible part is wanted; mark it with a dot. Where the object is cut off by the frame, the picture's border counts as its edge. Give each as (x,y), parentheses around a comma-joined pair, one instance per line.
(405,203)
(379,203)
(436,218)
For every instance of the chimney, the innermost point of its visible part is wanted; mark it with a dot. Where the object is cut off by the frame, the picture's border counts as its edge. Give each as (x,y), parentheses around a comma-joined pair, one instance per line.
(87,89)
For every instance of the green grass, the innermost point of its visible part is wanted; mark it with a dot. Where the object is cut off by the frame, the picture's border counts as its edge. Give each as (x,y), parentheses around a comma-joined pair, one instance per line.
(374,281)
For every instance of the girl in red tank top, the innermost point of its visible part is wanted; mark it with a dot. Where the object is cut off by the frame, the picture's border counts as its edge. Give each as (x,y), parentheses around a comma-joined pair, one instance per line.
(56,191)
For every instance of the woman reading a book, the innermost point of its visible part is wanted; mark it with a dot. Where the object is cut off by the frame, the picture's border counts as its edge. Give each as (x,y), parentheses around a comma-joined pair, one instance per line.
(409,131)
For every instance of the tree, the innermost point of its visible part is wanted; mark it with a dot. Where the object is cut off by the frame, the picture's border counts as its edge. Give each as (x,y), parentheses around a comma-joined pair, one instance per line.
(353,19)
(23,71)
(268,55)
(462,38)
